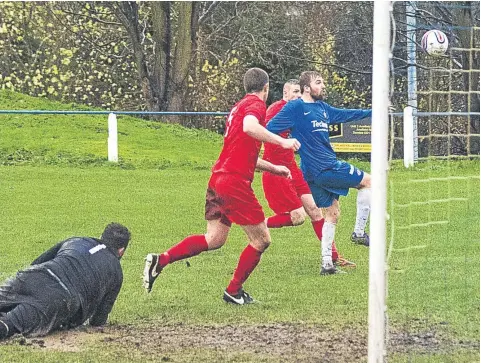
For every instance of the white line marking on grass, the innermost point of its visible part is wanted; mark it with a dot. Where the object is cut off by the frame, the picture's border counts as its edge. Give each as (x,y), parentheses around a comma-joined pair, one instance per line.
(418,247)
(427,224)
(432,201)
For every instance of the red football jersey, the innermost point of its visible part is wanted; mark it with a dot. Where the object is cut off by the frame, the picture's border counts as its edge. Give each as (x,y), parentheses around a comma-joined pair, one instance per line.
(274,153)
(240,151)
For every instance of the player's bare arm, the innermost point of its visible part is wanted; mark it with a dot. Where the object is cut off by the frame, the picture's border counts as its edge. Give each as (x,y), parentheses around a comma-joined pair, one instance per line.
(280,170)
(252,128)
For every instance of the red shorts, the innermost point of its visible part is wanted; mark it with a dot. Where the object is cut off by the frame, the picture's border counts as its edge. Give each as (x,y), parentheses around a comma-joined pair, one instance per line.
(282,194)
(231,199)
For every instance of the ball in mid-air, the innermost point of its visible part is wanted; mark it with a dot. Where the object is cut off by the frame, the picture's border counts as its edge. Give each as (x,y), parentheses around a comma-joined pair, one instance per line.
(434,42)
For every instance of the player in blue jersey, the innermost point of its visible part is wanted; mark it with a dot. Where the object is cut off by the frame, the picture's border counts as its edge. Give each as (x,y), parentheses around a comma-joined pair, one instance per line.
(308,119)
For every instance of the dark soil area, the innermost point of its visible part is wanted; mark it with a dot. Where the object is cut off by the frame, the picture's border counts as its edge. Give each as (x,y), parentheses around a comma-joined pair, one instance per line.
(239,343)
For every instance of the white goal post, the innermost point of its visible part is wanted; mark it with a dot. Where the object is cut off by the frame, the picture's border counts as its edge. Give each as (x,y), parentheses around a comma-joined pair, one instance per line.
(379,167)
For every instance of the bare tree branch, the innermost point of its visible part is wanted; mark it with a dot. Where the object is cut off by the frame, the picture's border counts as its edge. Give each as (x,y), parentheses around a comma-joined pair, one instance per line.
(208,11)
(324,64)
(90,17)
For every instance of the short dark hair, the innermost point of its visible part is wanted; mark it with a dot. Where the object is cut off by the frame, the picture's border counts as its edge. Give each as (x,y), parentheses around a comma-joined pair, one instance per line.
(306,78)
(116,236)
(255,79)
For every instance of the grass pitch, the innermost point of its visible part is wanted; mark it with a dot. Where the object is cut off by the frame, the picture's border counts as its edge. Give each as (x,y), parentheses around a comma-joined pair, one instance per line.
(55,183)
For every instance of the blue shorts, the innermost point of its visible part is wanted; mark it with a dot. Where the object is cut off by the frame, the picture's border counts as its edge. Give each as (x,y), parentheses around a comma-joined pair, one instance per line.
(332,183)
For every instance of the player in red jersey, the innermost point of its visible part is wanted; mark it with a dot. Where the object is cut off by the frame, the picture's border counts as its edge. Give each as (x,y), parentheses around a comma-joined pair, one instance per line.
(230,197)
(291,198)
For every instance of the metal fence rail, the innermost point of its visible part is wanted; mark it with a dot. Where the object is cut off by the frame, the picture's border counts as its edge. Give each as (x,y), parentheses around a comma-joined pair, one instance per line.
(194,113)
(151,113)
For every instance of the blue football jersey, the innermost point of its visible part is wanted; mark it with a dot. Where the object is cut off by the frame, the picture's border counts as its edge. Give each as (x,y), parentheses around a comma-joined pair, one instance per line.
(309,124)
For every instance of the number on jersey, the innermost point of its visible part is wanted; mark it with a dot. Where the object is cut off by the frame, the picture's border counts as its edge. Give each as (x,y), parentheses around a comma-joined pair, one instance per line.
(229,121)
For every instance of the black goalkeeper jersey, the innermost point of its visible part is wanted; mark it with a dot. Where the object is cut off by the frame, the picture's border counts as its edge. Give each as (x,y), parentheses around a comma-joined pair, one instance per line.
(89,271)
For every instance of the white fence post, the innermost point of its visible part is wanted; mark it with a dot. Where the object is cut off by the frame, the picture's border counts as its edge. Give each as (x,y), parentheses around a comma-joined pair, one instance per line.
(112,140)
(408,132)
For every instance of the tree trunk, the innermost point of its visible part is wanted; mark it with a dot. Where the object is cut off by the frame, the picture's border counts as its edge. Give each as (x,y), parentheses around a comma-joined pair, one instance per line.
(128,14)
(161,27)
(182,58)
(165,83)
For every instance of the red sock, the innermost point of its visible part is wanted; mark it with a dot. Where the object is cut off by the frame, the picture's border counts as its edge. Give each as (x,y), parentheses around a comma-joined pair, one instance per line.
(317,225)
(190,246)
(248,261)
(279,220)
(335,254)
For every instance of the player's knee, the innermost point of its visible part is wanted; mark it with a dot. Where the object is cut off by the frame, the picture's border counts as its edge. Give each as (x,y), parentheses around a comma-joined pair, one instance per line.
(265,244)
(366,181)
(262,243)
(298,220)
(215,241)
(335,216)
(298,216)
(332,214)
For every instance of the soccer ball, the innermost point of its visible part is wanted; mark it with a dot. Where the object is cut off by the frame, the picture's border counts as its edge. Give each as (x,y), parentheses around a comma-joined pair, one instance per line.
(434,42)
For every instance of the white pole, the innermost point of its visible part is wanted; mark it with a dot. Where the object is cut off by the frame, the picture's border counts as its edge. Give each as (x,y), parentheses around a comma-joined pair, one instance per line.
(411,8)
(112,141)
(379,166)
(408,139)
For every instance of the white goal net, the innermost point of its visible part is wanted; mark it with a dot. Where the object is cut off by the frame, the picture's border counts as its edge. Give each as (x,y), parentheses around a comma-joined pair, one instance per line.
(432,237)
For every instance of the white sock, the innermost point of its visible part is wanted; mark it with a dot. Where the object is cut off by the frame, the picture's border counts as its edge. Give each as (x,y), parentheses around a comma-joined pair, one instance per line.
(363,209)
(328,232)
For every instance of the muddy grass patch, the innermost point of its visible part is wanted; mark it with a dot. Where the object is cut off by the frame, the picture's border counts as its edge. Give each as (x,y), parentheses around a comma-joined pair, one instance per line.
(279,342)
(238,343)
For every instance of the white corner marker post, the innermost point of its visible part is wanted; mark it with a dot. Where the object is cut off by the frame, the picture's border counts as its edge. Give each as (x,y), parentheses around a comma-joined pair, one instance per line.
(408,132)
(112,140)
